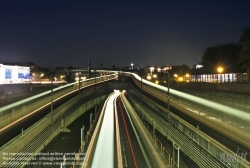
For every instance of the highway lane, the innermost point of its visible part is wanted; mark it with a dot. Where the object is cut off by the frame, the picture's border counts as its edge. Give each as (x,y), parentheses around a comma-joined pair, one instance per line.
(104,139)
(228,142)
(16,129)
(104,150)
(130,147)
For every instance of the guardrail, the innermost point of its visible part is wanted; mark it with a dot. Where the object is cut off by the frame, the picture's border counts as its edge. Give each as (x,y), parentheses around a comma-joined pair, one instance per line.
(28,106)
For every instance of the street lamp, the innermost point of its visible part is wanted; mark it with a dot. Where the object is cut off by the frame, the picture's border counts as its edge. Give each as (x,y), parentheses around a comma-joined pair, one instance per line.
(220,70)
(51,97)
(101,68)
(168,68)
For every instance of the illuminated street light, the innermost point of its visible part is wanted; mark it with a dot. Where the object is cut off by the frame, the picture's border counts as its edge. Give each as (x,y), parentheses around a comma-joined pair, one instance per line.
(220,70)
(149,77)
(180,79)
(168,68)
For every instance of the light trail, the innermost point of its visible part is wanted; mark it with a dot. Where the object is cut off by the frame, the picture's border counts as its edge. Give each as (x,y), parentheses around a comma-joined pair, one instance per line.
(42,94)
(34,111)
(130,145)
(104,150)
(142,130)
(48,92)
(222,108)
(118,143)
(91,144)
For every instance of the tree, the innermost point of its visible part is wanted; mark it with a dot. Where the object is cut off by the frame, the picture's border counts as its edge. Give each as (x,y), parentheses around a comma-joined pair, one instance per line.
(225,55)
(180,69)
(244,56)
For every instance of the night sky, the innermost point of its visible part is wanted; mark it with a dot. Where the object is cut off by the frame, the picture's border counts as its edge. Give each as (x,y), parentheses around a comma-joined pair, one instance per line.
(63,33)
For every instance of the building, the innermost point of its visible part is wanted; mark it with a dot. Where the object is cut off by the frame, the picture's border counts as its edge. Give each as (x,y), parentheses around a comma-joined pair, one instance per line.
(14,74)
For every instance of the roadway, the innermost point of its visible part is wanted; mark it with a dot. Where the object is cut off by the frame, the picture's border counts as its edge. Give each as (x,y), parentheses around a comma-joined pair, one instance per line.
(215,134)
(133,156)
(16,129)
(104,150)
(119,139)
(127,134)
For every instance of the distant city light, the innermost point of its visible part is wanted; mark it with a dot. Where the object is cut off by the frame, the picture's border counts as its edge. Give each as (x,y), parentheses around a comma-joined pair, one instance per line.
(180,79)
(152,69)
(149,77)
(199,66)
(167,68)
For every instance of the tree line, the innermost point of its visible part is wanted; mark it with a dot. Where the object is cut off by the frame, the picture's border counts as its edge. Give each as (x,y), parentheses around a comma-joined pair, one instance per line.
(234,57)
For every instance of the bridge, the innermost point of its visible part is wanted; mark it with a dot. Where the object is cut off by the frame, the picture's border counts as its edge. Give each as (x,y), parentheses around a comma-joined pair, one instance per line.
(163,124)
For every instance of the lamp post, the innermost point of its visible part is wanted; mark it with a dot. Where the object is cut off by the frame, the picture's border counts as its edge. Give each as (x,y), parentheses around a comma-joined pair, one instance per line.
(95,78)
(132,66)
(141,87)
(51,95)
(101,68)
(168,68)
